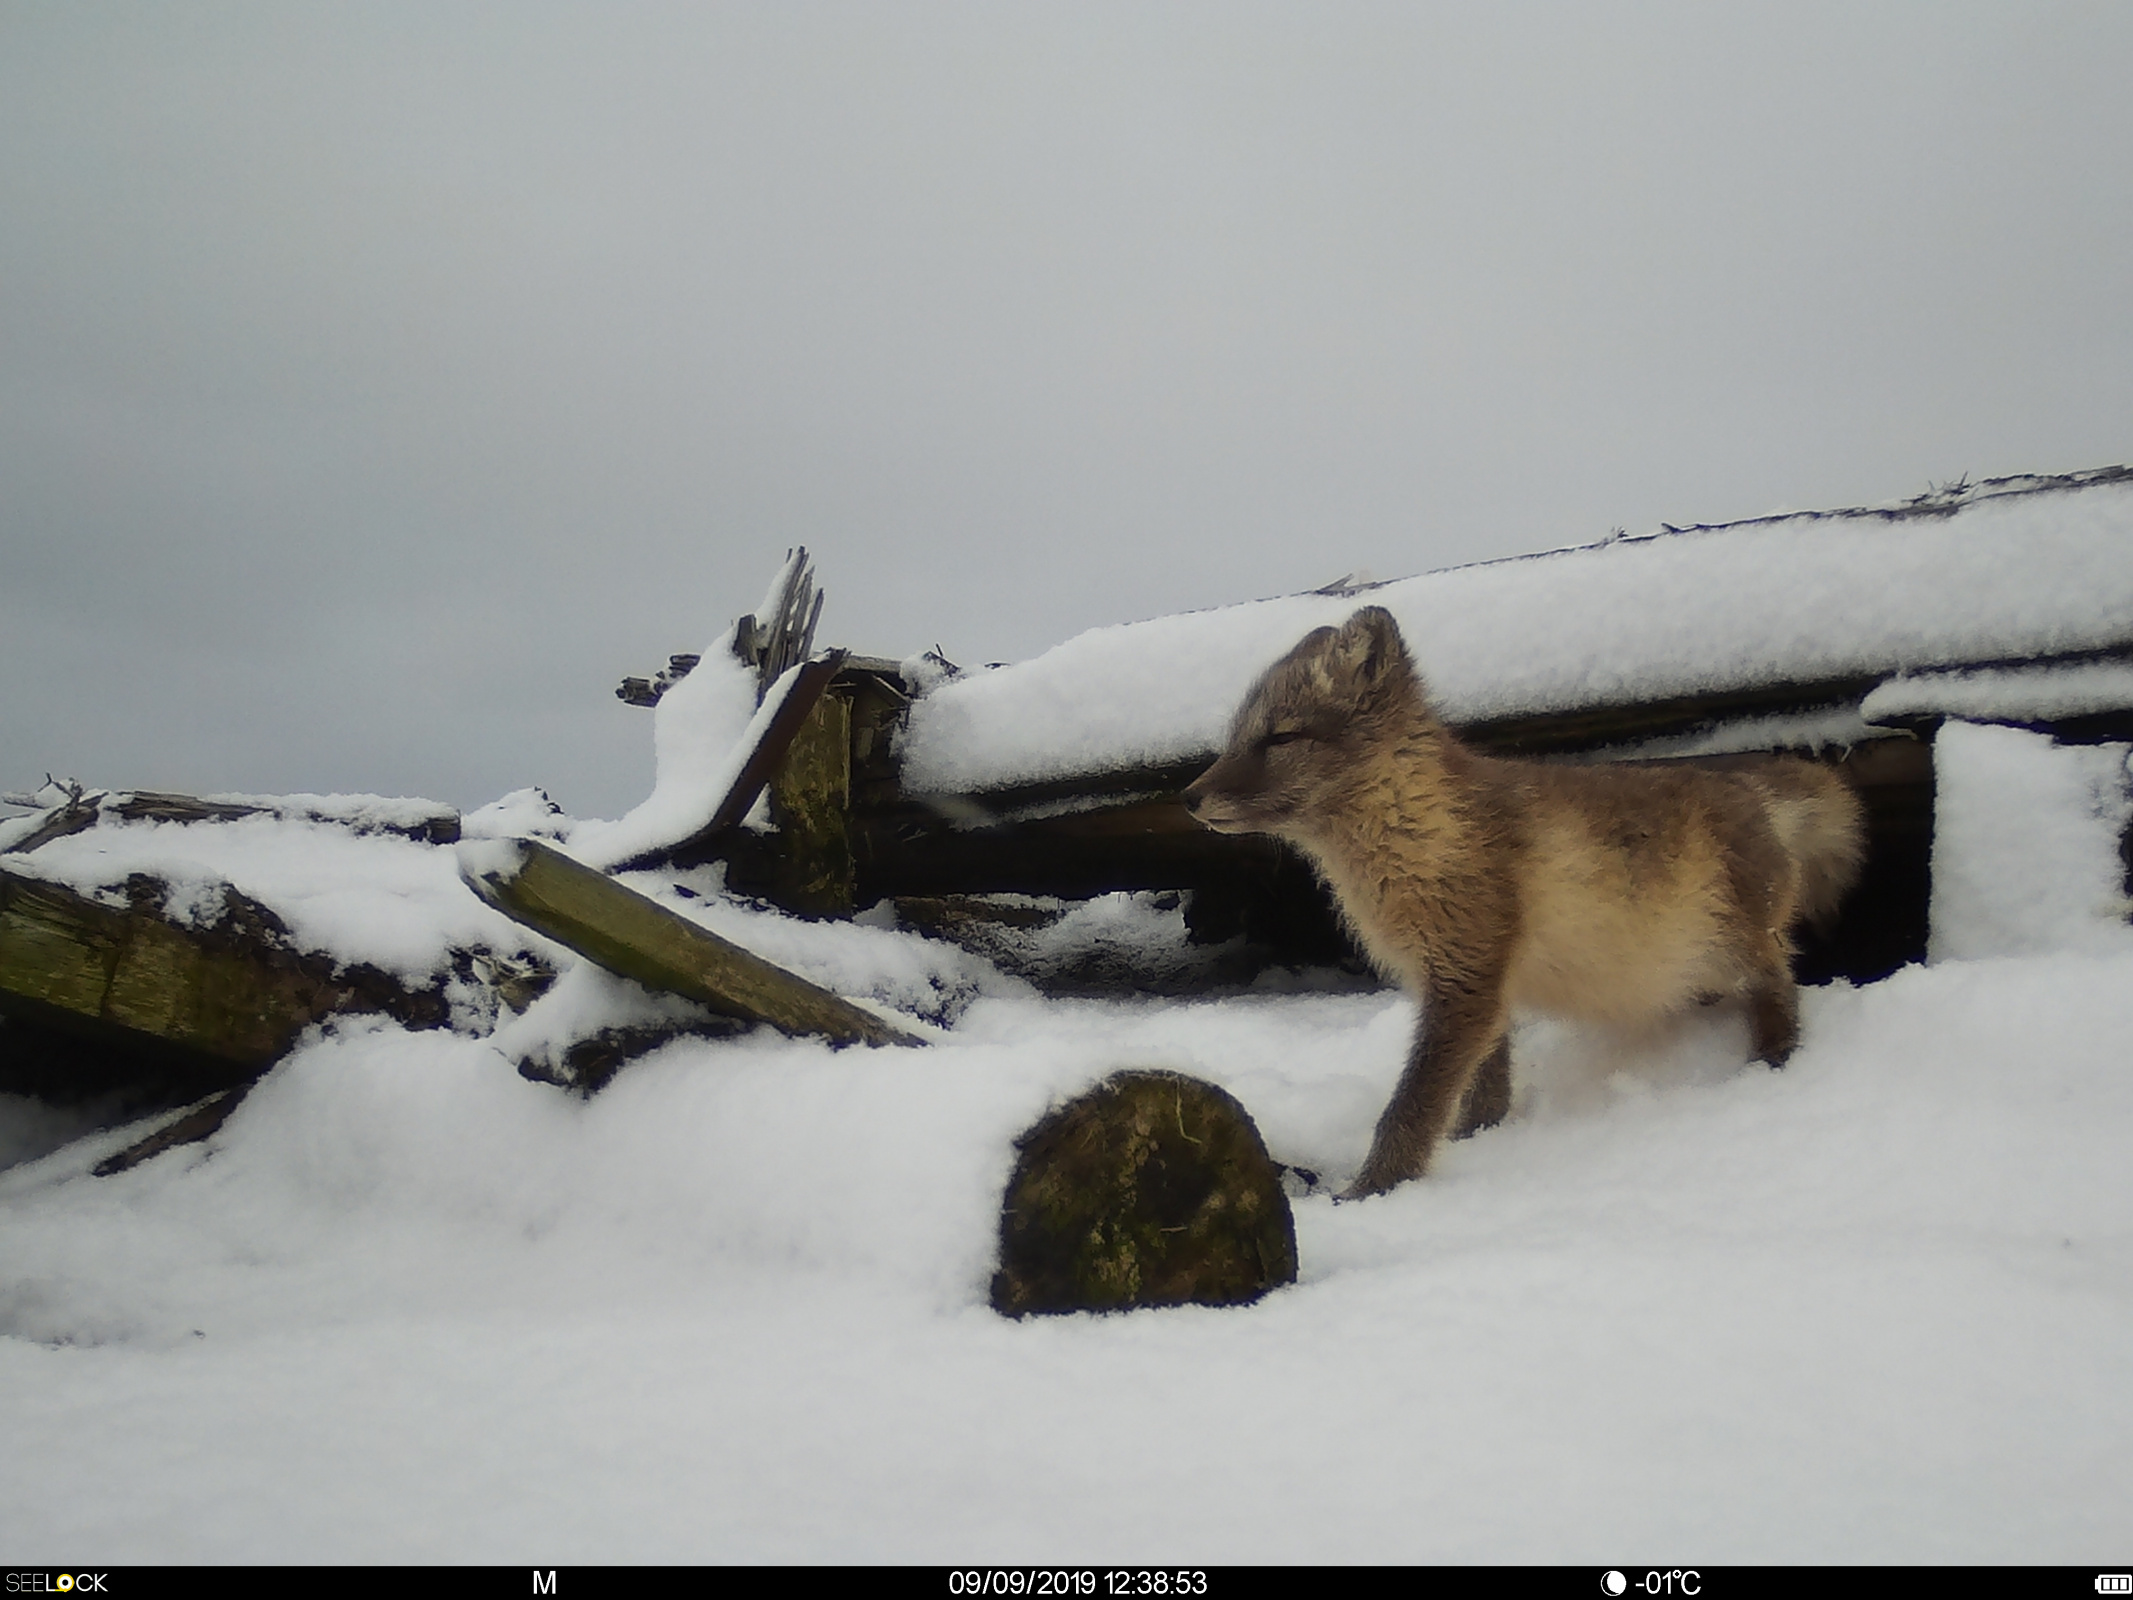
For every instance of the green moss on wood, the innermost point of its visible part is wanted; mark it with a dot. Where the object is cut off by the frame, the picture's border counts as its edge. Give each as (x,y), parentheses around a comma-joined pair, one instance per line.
(1153,1189)
(810,800)
(231,991)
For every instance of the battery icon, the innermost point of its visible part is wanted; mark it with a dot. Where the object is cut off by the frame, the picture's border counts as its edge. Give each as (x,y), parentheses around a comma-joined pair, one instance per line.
(2114,1583)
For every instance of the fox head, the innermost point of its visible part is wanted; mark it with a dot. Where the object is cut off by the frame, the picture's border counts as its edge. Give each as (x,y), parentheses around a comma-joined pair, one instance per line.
(1307,727)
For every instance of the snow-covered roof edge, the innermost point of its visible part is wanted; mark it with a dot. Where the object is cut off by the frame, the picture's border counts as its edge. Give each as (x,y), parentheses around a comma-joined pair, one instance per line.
(2008,569)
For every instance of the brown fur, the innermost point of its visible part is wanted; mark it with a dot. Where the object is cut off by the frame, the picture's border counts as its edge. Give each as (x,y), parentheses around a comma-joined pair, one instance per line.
(1615,894)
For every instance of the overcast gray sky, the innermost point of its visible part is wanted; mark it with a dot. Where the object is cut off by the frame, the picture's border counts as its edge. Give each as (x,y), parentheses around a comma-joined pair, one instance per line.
(380,383)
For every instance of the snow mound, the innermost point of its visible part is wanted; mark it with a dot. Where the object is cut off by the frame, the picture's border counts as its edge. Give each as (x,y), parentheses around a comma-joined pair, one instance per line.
(2026,844)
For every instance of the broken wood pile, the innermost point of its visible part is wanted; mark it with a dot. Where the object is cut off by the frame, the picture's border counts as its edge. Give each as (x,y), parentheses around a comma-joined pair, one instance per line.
(213,999)
(136,996)
(129,1004)
(206,1000)
(851,832)
(851,835)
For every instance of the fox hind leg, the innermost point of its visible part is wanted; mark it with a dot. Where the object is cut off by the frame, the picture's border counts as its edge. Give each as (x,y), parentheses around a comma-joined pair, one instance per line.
(1774,1005)
(1774,1020)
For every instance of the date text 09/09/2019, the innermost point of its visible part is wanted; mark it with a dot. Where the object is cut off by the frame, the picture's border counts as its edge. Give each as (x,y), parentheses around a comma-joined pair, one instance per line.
(1041,1583)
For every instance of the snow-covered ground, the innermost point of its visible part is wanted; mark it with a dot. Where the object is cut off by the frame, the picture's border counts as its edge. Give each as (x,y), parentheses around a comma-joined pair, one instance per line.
(410,1306)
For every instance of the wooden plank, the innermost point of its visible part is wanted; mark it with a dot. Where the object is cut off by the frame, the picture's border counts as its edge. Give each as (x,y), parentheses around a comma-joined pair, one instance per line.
(769,755)
(190,1127)
(219,992)
(710,842)
(810,801)
(437,825)
(61,820)
(633,935)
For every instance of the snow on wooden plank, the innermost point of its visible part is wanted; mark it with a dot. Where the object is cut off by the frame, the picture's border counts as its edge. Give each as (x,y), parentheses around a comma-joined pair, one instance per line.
(634,936)
(361,814)
(2008,570)
(230,989)
(2053,693)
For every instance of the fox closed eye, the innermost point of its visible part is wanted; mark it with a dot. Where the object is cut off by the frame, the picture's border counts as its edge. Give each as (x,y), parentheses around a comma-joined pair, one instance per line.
(1286,736)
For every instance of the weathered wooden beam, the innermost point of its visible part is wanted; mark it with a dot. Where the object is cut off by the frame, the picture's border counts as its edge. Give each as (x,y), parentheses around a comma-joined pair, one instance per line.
(1596,727)
(769,754)
(633,935)
(231,992)
(70,817)
(433,825)
(148,805)
(899,856)
(810,801)
(711,842)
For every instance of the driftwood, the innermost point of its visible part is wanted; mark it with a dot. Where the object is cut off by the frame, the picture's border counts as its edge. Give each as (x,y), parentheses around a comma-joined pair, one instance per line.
(1151,1190)
(636,937)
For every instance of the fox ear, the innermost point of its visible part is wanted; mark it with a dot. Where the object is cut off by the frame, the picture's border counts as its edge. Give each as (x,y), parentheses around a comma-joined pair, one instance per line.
(1368,649)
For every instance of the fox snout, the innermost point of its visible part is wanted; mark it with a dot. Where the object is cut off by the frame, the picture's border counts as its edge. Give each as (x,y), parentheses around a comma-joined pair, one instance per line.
(1218,801)
(1201,801)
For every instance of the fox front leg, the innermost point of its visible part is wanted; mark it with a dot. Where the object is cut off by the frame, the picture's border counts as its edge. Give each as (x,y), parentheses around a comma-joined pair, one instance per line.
(1488,1097)
(1460,1063)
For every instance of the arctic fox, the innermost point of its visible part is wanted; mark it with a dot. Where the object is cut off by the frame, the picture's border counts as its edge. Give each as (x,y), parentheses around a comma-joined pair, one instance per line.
(1615,894)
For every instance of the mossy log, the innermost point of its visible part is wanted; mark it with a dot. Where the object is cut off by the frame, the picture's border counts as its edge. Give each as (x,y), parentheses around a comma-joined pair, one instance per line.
(1153,1189)
(633,935)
